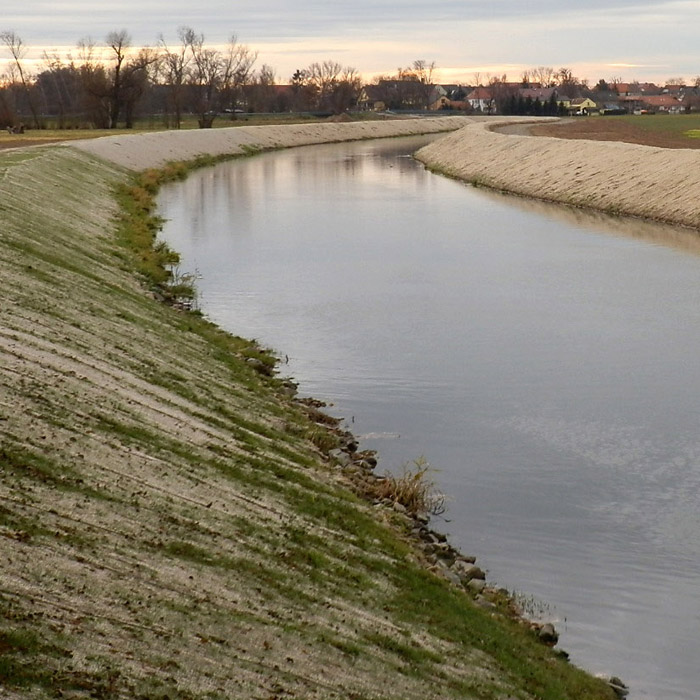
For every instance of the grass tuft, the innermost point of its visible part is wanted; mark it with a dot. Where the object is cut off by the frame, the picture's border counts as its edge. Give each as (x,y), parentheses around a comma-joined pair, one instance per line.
(413,489)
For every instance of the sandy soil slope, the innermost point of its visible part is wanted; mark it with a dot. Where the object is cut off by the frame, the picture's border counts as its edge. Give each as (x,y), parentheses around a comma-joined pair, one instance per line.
(618,178)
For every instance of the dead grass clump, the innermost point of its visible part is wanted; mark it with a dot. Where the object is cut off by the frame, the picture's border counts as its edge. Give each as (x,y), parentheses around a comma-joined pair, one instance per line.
(413,489)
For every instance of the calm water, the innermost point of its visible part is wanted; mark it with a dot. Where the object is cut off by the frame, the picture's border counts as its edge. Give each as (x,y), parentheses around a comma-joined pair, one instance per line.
(545,361)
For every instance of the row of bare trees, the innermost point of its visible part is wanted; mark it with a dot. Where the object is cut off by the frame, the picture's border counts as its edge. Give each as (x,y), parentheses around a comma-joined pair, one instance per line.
(410,87)
(106,85)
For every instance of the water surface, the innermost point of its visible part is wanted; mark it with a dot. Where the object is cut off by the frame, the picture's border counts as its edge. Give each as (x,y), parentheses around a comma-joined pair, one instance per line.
(545,361)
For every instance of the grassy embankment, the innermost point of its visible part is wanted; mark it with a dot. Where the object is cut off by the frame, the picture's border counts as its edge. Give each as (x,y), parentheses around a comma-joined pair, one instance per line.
(52,134)
(169,524)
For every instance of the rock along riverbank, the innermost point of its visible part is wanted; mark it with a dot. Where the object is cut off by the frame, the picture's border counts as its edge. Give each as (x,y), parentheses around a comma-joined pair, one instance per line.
(173,523)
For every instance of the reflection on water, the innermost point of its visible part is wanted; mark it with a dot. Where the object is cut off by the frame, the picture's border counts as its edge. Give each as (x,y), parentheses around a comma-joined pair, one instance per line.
(685,239)
(543,358)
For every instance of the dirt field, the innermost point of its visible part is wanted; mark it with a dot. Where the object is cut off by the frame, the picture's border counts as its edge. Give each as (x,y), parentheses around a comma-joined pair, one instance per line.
(660,131)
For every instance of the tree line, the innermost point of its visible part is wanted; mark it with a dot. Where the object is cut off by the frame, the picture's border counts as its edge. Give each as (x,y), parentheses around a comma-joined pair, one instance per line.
(108,85)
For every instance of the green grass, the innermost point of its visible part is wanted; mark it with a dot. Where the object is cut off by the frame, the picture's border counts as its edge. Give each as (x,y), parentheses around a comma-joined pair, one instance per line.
(22,644)
(411,653)
(422,598)
(33,464)
(21,527)
(675,124)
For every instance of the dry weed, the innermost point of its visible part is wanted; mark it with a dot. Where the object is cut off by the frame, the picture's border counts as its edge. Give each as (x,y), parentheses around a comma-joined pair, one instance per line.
(413,489)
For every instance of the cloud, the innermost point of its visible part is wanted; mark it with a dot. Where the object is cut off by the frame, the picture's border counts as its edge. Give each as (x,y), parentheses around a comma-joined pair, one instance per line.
(380,35)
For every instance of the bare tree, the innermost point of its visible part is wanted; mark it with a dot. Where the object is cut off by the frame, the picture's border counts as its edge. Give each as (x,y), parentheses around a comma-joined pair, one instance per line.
(216,76)
(8,114)
(323,78)
(204,77)
(261,91)
(346,91)
(568,83)
(119,42)
(303,93)
(500,91)
(95,85)
(137,75)
(613,82)
(236,71)
(60,87)
(544,75)
(417,83)
(331,86)
(18,51)
(424,71)
(173,68)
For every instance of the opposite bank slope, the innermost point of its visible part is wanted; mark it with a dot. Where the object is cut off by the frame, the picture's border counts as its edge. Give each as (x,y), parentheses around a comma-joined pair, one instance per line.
(170,522)
(618,178)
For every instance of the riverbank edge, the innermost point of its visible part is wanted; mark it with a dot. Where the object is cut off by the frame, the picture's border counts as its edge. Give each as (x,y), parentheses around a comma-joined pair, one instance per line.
(154,150)
(620,179)
(24,536)
(139,201)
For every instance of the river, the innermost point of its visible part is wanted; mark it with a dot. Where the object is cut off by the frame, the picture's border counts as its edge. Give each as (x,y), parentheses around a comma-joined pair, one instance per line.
(543,360)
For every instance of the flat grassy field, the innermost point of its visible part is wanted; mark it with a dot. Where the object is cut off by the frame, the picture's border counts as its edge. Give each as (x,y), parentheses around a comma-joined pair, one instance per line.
(662,130)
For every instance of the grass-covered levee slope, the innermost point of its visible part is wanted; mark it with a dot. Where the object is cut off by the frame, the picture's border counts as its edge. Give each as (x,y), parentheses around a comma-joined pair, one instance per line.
(170,523)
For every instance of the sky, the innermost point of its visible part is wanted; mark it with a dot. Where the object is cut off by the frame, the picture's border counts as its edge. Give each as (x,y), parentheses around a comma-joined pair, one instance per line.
(630,39)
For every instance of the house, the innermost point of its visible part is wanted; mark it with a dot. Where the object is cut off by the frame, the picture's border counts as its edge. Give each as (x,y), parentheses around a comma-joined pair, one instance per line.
(582,105)
(451,97)
(675,90)
(457,92)
(635,89)
(438,97)
(373,98)
(663,104)
(538,93)
(632,103)
(446,103)
(691,99)
(482,100)
(545,95)
(442,102)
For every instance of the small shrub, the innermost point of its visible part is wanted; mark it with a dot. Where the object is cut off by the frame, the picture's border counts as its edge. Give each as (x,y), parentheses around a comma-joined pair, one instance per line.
(413,489)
